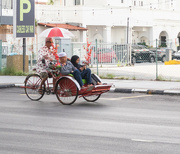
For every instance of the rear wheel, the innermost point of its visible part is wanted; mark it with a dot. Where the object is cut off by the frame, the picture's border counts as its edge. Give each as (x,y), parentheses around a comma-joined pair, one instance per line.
(152,59)
(66,91)
(32,84)
(92,98)
(163,59)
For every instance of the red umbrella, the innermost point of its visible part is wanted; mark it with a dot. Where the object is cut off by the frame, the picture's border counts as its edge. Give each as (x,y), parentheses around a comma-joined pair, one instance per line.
(56,32)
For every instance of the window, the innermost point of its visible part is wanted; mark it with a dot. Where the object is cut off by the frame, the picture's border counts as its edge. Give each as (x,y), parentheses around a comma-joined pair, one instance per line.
(141,3)
(122,1)
(82,2)
(64,2)
(77,2)
(134,3)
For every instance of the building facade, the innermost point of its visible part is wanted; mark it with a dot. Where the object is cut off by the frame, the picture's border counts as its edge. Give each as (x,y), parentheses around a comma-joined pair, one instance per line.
(107,20)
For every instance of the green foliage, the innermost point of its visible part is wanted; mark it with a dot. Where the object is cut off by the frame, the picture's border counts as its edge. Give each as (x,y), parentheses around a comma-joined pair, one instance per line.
(134,78)
(107,76)
(12,72)
(163,45)
(36,23)
(142,43)
(110,76)
(118,64)
(51,2)
(160,78)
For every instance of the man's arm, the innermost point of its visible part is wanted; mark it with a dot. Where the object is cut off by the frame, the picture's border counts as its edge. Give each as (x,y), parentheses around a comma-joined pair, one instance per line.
(64,70)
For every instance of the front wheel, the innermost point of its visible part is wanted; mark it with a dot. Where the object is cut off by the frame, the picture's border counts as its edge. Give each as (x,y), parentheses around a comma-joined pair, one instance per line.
(152,59)
(92,98)
(133,60)
(32,84)
(66,91)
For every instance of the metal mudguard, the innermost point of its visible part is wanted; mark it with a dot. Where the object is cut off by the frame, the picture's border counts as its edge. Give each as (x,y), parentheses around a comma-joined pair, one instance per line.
(72,79)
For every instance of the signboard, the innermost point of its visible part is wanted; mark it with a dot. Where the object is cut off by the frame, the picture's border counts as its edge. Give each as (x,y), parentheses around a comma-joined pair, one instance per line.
(24,18)
(0,11)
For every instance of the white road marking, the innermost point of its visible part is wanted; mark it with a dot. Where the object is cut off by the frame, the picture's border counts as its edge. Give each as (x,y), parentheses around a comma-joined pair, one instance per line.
(140,140)
(118,98)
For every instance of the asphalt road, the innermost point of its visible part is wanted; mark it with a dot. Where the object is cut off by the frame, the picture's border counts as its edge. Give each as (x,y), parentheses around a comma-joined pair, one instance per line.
(117,123)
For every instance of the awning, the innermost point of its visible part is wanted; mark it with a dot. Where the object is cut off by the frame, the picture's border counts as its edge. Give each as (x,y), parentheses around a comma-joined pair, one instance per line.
(65,26)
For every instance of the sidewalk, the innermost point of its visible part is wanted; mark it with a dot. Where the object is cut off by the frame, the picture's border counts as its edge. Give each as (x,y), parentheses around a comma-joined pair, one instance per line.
(141,71)
(122,86)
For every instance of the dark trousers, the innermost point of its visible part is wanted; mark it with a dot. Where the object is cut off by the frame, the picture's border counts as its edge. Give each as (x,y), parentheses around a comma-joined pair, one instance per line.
(85,74)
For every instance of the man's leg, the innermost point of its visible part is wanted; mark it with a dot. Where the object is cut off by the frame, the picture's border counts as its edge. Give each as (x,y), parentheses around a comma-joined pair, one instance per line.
(86,74)
(54,83)
(44,77)
(77,76)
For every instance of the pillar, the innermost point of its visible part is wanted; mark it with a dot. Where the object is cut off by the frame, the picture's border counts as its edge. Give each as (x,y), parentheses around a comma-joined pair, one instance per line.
(107,34)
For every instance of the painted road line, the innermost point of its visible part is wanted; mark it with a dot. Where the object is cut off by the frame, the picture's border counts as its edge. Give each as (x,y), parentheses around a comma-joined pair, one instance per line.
(131,97)
(140,140)
(155,141)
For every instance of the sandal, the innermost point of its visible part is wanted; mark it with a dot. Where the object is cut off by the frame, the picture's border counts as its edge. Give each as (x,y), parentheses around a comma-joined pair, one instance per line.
(99,83)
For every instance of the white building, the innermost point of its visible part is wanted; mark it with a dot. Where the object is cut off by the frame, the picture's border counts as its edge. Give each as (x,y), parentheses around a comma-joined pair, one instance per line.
(106,20)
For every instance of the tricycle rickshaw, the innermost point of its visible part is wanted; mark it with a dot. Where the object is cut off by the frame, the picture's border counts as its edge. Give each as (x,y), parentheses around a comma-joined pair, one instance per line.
(67,89)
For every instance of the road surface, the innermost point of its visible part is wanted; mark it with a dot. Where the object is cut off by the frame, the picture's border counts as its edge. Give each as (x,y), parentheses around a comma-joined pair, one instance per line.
(115,124)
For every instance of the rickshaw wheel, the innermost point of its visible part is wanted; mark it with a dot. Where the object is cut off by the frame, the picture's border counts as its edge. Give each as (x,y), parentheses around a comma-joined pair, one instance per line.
(92,98)
(66,91)
(32,84)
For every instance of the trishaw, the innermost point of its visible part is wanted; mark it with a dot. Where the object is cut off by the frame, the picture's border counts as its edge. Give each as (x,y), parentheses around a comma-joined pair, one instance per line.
(67,89)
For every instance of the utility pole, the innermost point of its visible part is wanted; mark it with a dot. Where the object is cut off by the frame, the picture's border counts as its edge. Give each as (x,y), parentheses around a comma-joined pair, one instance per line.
(24,54)
(127,30)
(128,47)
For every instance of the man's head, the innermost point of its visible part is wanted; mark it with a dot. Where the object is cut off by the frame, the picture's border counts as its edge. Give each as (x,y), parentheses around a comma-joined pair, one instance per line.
(49,42)
(63,57)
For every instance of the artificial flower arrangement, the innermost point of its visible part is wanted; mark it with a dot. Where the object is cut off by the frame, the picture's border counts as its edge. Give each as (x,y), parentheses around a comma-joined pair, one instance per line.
(88,51)
(55,65)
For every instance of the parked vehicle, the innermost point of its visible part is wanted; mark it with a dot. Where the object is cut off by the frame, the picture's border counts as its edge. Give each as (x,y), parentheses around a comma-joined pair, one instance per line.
(176,55)
(161,53)
(140,53)
(105,55)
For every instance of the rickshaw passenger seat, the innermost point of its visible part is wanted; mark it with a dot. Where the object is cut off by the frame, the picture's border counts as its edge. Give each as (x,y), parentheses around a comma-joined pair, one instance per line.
(83,80)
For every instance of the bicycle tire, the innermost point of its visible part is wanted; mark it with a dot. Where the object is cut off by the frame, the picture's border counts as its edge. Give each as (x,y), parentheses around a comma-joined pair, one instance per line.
(66,91)
(91,99)
(32,84)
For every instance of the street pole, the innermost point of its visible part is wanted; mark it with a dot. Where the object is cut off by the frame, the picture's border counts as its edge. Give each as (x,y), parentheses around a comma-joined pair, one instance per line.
(24,53)
(156,62)
(97,57)
(127,30)
(128,41)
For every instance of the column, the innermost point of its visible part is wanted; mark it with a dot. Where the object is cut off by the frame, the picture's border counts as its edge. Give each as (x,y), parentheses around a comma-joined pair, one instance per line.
(83,36)
(107,34)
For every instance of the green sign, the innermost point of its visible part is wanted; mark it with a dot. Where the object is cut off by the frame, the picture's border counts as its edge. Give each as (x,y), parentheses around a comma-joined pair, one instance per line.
(24,18)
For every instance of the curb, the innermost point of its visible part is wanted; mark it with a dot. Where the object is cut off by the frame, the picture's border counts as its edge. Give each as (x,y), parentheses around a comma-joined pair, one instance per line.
(6,85)
(118,90)
(146,91)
